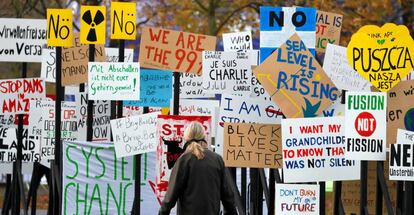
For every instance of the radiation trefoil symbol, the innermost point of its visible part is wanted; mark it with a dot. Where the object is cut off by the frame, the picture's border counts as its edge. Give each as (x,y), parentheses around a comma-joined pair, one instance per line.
(98,19)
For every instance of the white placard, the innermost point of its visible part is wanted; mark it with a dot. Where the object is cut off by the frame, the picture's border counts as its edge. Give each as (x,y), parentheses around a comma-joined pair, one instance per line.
(296,199)
(112,55)
(237,41)
(401,157)
(48,69)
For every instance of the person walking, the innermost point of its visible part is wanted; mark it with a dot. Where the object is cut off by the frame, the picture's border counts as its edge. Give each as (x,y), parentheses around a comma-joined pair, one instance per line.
(198,181)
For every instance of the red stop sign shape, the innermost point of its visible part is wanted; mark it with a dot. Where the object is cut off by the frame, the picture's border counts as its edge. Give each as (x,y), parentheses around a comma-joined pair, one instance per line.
(365,124)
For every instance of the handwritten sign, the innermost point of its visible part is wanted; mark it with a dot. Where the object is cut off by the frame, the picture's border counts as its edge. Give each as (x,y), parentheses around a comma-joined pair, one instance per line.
(59,30)
(295,80)
(365,117)
(401,157)
(382,55)
(252,145)
(17,93)
(112,55)
(103,181)
(21,40)
(199,107)
(314,150)
(155,89)
(75,62)
(328,29)
(135,135)
(237,41)
(113,81)
(8,146)
(294,199)
(400,109)
(173,50)
(191,86)
(227,72)
(241,109)
(93,25)
(340,72)
(278,24)
(48,67)
(123,19)
(170,130)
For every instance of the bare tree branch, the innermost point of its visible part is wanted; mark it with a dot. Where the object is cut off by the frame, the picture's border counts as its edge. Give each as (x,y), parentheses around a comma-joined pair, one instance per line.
(200,5)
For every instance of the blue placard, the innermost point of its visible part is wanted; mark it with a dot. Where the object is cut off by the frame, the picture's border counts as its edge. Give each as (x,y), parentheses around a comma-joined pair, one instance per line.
(155,89)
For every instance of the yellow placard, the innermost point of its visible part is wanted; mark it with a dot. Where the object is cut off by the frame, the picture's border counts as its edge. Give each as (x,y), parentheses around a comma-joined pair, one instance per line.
(59,32)
(382,55)
(92,28)
(123,19)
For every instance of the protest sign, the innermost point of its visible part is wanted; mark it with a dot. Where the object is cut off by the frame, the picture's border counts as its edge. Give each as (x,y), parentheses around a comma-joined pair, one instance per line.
(155,89)
(173,50)
(328,29)
(191,86)
(227,72)
(278,24)
(93,25)
(135,135)
(297,199)
(101,118)
(401,157)
(21,40)
(8,120)
(199,107)
(75,62)
(17,93)
(113,81)
(252,145)
(112,55)
(48,68)
(340,72)
(336,109)
(237,41)
(365,130)
(95,181)
(295,81)
(123,19)
(170,130)
(136,110)
(381,55)
(313,150)
(238,109)
(8,146)
(59,31)
(400,109)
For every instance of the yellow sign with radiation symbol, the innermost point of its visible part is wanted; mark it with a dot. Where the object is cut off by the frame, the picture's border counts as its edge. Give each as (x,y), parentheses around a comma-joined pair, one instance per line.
(92,28)
(123,19)
(382,55)
(59,32)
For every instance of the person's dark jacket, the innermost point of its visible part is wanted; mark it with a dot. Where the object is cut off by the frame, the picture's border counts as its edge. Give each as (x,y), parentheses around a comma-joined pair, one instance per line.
(198,186)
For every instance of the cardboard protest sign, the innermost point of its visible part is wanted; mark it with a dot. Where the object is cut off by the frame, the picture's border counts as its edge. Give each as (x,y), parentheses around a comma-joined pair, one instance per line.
(112,55)
(237,41)
(95,181)
(123,19)
(297,199)
(382,54)
(365,130)
(278,24)
(336,109)
(59,29)
(252,145)
(155,89)
(101,118)
(135,135)
(113,81)
(93,25)
(48,68)
(328,29)
(170,130)
(401,157)
(199,107)
(340,72)
(313,150)
(173,50)
(295,81)
(400,109)
(21,40)
(191,86)
(227,72)
(238,109)
(17,93)
(75,62)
